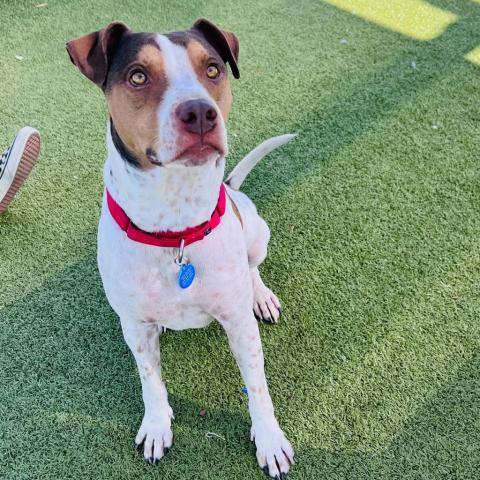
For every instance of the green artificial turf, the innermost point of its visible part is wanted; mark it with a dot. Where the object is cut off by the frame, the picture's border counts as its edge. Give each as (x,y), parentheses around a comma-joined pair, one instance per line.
(374,211)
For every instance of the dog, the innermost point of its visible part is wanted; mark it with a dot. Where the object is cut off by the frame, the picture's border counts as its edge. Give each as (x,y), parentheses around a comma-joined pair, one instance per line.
(177,246)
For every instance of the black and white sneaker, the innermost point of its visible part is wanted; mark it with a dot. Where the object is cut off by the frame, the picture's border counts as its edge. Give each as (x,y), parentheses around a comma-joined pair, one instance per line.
(16,163)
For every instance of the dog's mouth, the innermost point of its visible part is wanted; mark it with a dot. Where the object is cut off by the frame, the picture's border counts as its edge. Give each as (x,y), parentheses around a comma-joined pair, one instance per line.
(199,153)
(195,154)
(152,157)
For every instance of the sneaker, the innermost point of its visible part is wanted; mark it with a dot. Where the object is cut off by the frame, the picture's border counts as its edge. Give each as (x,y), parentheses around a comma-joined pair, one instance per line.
(16,163)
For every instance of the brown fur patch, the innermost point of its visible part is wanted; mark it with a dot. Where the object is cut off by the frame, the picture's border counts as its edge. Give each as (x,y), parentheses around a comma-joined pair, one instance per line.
(200,57)
(134,110)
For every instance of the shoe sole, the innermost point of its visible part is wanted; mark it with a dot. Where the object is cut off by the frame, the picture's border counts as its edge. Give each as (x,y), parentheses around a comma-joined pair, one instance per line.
(25,165)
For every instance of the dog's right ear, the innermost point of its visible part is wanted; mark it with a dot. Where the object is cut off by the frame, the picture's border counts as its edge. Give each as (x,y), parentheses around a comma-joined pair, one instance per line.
(91,53)
(225,43)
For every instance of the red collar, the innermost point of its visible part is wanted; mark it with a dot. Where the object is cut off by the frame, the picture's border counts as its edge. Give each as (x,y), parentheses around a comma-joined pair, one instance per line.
(168,238)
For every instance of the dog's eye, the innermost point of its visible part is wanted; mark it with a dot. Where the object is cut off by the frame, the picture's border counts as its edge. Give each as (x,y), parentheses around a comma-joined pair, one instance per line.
(138,78)
(213,71)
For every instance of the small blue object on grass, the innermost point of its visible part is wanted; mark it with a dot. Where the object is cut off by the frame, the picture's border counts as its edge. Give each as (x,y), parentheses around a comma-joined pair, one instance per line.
(244,390)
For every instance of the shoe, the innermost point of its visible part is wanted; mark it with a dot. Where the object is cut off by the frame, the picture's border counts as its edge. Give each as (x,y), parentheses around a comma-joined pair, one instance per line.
(16,163)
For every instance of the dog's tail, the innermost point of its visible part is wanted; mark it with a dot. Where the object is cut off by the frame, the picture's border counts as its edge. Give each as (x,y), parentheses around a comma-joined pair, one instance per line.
(246,165)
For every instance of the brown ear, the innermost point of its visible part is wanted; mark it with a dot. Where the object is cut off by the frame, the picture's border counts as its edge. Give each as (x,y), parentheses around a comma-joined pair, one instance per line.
(91,53)
(225,43)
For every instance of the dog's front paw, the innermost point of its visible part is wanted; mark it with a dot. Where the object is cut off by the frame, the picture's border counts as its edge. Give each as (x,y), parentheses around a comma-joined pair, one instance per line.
(156,435)
(274,451)
(266,305)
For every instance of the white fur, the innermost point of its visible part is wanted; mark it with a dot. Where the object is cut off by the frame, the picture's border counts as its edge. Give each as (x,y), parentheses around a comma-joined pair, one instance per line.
(164,198)
(140,281)
(183,85)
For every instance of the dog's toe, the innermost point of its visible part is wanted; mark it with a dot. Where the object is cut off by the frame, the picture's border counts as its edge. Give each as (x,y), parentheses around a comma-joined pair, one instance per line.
(266,305)
(274,452)
(156,437)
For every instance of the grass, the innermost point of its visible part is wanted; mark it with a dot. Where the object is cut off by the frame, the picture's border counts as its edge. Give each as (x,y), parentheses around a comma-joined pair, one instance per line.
(375,367)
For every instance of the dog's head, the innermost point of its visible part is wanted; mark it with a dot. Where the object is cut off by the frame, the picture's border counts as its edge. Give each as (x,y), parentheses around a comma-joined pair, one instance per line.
(168,95)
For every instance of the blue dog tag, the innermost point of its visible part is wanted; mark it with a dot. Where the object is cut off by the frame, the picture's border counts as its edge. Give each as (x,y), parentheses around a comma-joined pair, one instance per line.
(186,276)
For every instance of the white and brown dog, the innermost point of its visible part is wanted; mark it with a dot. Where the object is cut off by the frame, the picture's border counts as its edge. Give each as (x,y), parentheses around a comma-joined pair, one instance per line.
(169,97)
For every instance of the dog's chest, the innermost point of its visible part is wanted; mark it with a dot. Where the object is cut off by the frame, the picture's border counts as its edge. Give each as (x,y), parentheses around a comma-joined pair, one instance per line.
(142,281)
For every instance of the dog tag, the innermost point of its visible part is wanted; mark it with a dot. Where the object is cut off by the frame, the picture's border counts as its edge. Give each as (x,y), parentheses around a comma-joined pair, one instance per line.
(186,276)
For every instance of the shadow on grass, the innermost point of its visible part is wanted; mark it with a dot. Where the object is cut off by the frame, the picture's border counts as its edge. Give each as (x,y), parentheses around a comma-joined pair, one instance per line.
(386,90)
(70,394)
(71,398)
(439,442)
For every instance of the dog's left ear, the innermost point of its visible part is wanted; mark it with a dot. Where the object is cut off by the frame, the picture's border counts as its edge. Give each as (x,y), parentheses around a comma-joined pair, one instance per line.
(92,53)
(225,43)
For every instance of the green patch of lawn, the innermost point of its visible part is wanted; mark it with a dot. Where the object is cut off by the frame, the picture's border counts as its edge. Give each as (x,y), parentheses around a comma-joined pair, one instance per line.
(374,211)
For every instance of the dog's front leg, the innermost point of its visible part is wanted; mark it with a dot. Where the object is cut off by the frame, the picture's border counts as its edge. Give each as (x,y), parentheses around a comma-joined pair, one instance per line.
(274,452)
(155,431)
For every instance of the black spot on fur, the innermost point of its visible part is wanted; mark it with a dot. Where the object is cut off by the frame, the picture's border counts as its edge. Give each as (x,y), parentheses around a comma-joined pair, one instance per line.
(180,38)
(125,54)
(183,39)
(122,149)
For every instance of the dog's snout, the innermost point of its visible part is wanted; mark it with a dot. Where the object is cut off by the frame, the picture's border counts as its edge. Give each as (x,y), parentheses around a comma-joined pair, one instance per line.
(197,116)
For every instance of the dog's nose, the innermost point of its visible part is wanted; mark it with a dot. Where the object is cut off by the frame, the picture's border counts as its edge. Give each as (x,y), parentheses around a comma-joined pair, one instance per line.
(197,116)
